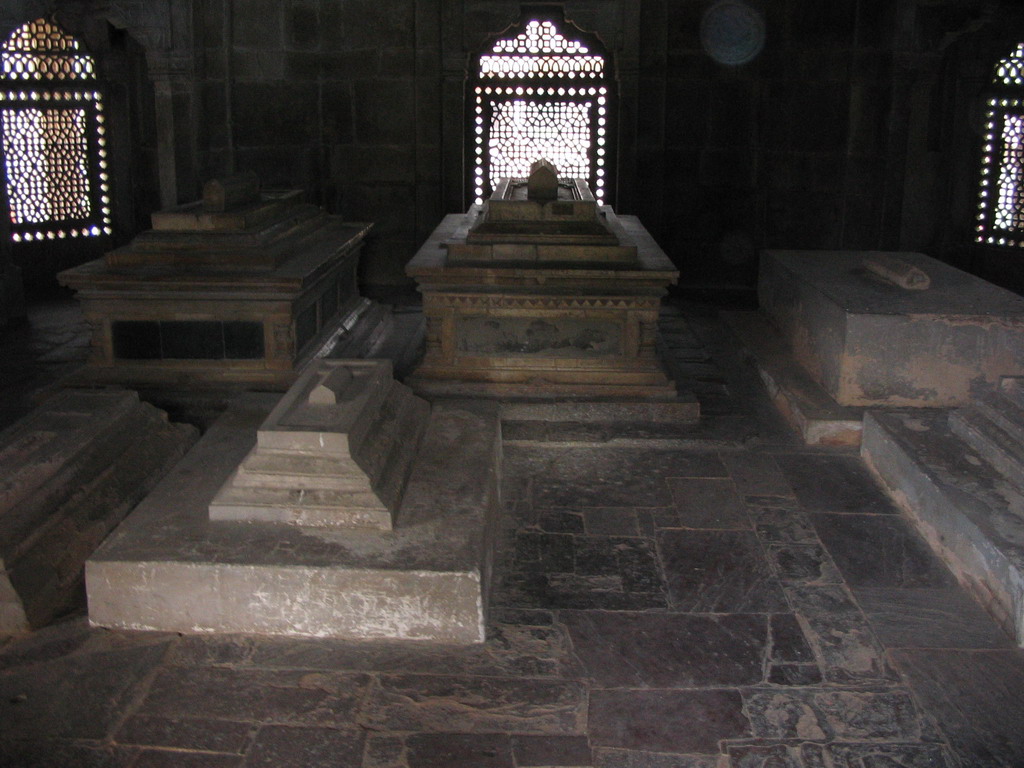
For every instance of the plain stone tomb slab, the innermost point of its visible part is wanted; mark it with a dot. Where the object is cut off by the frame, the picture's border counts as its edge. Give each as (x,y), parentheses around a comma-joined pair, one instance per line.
(870,342)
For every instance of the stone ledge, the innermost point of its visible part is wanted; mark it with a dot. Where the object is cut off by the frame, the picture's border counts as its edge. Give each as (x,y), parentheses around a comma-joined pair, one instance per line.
(169,568)
(969,513)
(801,401)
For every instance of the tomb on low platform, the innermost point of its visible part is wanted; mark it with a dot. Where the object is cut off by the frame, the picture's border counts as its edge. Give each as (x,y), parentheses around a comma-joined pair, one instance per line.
(70,471)
(541,292)
(892,329)
(349,508)
(239,288)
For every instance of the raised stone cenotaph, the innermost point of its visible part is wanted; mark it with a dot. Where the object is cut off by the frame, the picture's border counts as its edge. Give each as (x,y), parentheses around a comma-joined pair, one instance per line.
(541,292)
(241,287)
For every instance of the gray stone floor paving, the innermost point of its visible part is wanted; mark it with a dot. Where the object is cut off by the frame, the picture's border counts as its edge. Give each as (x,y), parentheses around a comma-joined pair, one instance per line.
(713,597)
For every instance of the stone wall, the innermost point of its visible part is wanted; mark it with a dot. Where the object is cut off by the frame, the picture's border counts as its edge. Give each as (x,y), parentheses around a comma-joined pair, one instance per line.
(854,128)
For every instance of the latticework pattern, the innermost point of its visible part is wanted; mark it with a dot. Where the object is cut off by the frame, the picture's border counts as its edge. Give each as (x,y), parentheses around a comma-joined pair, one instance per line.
(540,94)
(1010,71)
(522,131)
(47,153)
(53,136)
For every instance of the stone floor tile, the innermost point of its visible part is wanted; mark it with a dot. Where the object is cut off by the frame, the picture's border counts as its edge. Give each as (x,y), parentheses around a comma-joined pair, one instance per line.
(607,572)
(763,756)
(975,697)
(783,526)
(611,521)
(756,474)
(889,755)
(788,643)
(559,521)
(803,564)
(544,552)
(631,758)
(45,753)
(929,618)
(709,503)
(880,551)
(46,644)
(159,758)
(525,644)
(718,572)
(656,650)
(257,696)
(573,591)
(652,720)
(810,714)
(795,674)
(384,750)
(457,750)
(284,746)
(81,696)
(185,733)
(475,705)
(840,635)
(561,751)
(831,483)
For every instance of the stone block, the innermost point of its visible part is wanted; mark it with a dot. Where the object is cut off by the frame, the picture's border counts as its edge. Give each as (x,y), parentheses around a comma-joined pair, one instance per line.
(72,470)
(868,342)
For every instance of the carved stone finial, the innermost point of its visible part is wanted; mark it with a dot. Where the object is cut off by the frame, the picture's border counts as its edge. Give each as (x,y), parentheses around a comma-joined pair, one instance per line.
(220,195)
(543,181)
(897,272)
(336,387)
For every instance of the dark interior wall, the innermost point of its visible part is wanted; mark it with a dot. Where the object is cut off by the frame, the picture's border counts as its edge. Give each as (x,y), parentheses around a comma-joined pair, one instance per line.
(339,98)
(358,102)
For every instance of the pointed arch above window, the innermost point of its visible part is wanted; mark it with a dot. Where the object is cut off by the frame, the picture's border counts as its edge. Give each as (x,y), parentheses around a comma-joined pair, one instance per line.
(53,136)
(540,90)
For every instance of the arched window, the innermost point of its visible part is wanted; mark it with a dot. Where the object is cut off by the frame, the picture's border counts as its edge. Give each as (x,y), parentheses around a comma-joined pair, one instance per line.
(52,124)
(1001,189)
(540,93)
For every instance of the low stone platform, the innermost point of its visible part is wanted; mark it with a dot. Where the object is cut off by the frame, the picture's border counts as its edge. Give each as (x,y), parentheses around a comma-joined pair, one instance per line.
(168,567)
(802,402)
(69,473)
(868,342)
(964,495)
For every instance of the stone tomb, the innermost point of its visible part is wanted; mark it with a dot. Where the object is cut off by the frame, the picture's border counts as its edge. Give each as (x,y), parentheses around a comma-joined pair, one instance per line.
(379,521)
(241,287)
(70,471)
(897,329)
(336,452)
(541,292)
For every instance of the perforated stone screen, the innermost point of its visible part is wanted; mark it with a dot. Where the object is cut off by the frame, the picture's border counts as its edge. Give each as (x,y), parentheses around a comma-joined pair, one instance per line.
(53,136)
(539,95)
(1000,217)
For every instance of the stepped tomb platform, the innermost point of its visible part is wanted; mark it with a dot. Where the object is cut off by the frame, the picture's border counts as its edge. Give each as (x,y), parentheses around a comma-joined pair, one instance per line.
(541,292)
(239,288)
(350,509)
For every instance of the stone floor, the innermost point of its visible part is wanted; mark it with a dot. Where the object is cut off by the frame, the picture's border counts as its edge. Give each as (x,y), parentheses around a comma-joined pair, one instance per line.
(711,596)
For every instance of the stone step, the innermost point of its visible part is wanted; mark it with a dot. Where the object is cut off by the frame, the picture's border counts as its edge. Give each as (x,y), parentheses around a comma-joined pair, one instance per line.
(281,469)
(976,426)
(1005,407)
(965,508)
(311,508)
